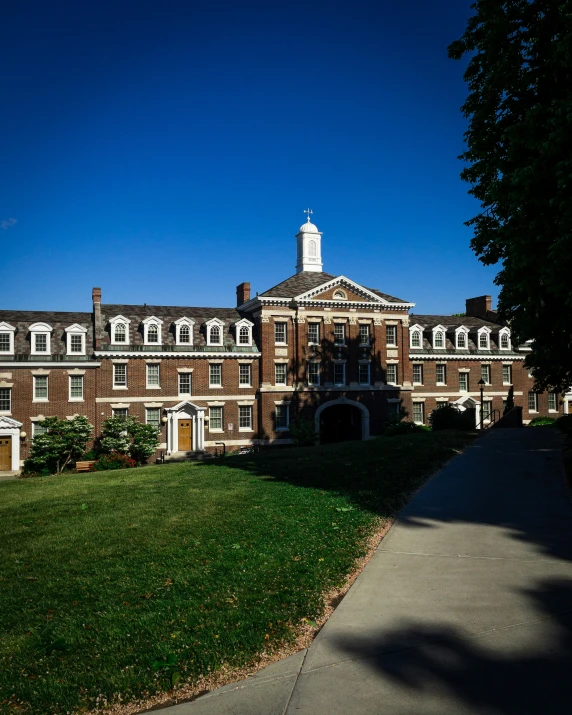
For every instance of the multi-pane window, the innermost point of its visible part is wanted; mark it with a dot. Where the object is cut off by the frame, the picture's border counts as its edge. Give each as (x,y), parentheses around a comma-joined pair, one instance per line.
(507,374)
(153,417)
(119,375)
(462,340)
(486,374)
(215,375)
(184,383)
(76,387)
(76,343)
(121,412)
(364,378)
(487,409)
(215,335)
(364,334)
(120,333)
(215,418)
(40,342)
(441,374)
(184,334)
(152,333)
(313,373)
(245,375)
(282,416)
(464,381)
(391,375)
(280,333)
(38,428)
(418,374)
(153,375)
(484,341)
(532,402)
(339,373)
(40,387)
(280,373)
(439,340)
(339,334)
(416,339)
(5,399)
(394,409)
(244,335)
(553,401)
(504,341)
(418,412)
(4,342)
(391,334)
(244,417)
(313,333)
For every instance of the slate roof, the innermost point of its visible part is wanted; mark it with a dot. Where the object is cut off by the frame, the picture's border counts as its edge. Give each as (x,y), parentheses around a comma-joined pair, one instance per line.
(451,321)
(58,321)
(307,280)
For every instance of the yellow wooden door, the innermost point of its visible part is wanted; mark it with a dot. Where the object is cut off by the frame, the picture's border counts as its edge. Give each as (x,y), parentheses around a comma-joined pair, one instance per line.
(185,435)
(5,454)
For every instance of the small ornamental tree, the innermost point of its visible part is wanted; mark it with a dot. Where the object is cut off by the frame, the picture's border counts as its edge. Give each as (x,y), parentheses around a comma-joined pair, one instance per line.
(125,435)
(303,431)
(509,400)
(60,445)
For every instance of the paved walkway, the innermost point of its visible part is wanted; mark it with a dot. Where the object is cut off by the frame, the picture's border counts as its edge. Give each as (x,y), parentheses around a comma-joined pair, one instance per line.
(466,607)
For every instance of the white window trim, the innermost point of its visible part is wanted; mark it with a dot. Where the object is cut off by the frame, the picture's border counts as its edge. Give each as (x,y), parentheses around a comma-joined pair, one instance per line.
(535,411)
(209,324)
(147,385)
(395,344)
(244,323)
(392,382)
(420,364)
(343,364)
(441,364)
(368,372)
(249,385)
(221,428)
(313,384)
(439,329)
(246,429)
(287,406)
(190,323)
(190,392)
(342,294)
(215,386)
(413,329)
(489,381)
(40,399)
(113,322)
(465,331)
(345,338)
(11,330)
(76,399)
(147,416)
(41,329)
(285,323)
(504,331)
(75,329)
(422,403)
(503,380)
(314,322)
(152,320)
(550,409)
(484,331)
(120,387)
(285,383)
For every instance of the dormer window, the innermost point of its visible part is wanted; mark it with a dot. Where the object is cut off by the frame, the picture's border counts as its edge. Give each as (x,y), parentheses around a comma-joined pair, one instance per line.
(439,337)
(75,335)
(462,338)
(416,336)
(243,332)
(504,339)
(41,338)
(119,330)
(120,333)
(214,331)
(152,331)
(484,339)
(7,339)
(184,331)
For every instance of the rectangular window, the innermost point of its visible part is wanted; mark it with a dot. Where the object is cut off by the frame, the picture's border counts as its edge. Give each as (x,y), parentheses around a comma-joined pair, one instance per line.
(507,374)
(487,409)
(364,378)
(282,417)
(280,333)
(313,333)
(441,374)
(244,417)
(76,343)
(41,342)
(532,402)
(391,334)
(153,375)
(339,373)
(364,334)
(38,428)
(76,387)
(4,342)
(153,417)
(392,375)
(119,375)
(215,375)
(418,412)
(313,373)
(41,387)
(486,374)
(215,418)
(280,373)
(121,412)
(394,410)
(553,401)
(418,374)
(339,334)
(245,375)
(5,399)
(464,381)
(184,383)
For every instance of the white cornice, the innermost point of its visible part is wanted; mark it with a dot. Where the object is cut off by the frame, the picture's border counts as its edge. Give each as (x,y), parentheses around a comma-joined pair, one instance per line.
(449,356)
(49,364)
(126,353)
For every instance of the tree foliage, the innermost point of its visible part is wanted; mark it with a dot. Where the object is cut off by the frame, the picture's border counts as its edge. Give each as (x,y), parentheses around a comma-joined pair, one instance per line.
(59,446)
(519,164)
(125,435)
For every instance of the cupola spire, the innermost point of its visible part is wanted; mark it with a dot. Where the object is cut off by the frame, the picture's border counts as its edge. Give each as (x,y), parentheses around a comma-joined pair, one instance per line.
(309,242)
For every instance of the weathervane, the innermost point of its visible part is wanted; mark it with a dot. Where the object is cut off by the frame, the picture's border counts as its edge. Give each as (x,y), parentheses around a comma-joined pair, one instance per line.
(308,211)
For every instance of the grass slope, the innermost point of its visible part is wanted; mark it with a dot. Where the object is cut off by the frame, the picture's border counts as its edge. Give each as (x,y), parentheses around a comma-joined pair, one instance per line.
(127,582)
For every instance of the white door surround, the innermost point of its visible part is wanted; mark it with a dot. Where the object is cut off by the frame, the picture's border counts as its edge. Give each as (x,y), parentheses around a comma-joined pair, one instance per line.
(11,428)
(345,401)
(184,411)
(467,402)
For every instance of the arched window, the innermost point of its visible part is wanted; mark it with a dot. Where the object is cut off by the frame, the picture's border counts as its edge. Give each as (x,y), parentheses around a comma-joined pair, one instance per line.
(461,340)
(312,249)
(340,295)
(120,333)
(152,334)
(504,342)
(416,339)
(244,336)
(483,341)
(215,335)
(184,334)
(439,340)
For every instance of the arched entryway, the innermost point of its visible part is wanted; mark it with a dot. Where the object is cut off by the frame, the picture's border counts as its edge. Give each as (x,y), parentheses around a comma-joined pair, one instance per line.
(342,420)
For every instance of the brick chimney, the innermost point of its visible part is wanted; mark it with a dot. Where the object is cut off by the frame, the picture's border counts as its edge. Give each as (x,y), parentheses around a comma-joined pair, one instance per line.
(98,327)
(478,307)
(242,293)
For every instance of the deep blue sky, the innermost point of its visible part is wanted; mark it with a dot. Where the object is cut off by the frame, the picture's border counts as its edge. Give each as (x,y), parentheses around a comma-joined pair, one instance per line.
(165,149)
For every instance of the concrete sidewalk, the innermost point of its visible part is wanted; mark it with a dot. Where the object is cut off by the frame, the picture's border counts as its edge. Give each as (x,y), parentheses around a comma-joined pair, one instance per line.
(466,607)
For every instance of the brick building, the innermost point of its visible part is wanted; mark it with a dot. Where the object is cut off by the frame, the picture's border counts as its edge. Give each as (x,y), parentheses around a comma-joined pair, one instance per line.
(347,356)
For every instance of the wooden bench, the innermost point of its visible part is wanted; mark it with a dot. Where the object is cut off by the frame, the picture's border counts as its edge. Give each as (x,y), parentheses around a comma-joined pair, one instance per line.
(84,466)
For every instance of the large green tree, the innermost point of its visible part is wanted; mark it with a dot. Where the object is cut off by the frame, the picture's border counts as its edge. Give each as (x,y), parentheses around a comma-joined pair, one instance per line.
(519,164)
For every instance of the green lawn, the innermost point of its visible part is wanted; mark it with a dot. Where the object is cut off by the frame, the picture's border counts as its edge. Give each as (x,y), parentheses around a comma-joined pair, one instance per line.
(125,582)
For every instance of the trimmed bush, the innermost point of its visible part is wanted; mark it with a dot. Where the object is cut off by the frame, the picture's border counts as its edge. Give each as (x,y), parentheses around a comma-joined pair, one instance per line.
(113,461)
(542,422)
(447,416)
(303,431)
(564,424)
(398,428)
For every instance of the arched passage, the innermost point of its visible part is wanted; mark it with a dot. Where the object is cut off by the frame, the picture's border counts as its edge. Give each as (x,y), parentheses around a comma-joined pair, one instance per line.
(342,420)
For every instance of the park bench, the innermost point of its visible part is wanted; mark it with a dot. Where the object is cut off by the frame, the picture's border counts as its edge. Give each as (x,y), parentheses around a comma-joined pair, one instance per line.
(84,466)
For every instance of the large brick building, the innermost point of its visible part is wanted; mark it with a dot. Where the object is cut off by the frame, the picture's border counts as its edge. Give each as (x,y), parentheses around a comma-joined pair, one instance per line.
(347,356)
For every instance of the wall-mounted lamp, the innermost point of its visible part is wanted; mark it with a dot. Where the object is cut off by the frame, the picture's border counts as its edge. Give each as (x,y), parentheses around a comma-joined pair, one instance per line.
(164,420)
(23,435)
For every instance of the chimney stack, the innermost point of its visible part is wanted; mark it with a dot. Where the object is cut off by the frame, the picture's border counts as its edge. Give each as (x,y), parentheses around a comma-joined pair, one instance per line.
(479,307)
(97,324)
(242,293)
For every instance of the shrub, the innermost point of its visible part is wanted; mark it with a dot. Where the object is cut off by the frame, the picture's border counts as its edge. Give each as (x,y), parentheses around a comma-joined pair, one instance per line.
(60,445)
(447,416)
(127,436)
(113,461)
(542,422)
(564,424)
(398,428)
(303,431)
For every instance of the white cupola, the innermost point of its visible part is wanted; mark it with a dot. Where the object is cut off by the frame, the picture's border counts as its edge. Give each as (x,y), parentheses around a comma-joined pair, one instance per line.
(309,241)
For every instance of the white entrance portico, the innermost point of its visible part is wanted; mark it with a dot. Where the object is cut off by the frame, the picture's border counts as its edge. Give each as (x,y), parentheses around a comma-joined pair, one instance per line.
(469,403)
(10,444)
(185,412)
